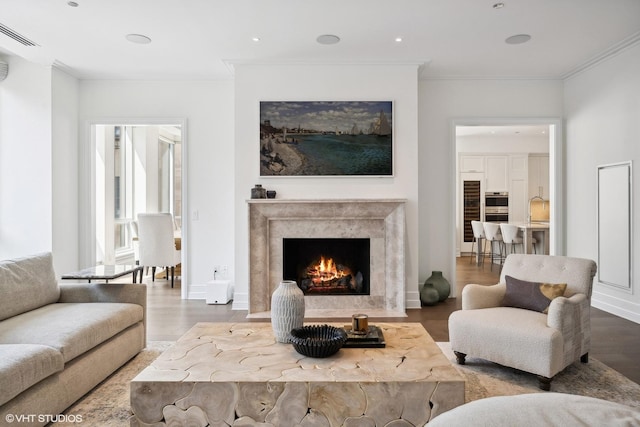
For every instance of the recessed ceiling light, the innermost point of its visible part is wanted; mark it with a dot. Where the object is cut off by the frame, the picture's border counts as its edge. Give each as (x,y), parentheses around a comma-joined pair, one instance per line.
(328,39)
(398,39)
(138,38)
(518,39)
(255,39)
(498,5)
(73,3)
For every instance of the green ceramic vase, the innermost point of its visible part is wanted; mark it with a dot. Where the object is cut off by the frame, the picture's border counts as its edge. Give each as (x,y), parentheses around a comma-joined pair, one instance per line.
(429,295)
(440,284)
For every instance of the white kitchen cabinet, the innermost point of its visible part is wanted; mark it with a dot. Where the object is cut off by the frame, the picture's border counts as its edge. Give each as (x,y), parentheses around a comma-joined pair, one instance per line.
(471,163)
(518,181)
(497,173)
(539,175)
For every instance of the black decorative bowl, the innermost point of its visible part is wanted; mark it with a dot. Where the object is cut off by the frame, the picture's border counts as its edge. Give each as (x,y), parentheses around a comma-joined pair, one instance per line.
(318,340)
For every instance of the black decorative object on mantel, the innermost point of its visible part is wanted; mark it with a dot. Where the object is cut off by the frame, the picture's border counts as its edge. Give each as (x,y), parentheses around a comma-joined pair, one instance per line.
(271,194)
(258,192)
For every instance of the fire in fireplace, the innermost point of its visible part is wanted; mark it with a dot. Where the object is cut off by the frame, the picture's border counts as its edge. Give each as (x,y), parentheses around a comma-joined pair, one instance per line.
(324,266)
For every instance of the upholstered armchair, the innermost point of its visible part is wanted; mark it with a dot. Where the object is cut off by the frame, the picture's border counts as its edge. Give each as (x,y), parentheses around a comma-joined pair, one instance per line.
(528,321)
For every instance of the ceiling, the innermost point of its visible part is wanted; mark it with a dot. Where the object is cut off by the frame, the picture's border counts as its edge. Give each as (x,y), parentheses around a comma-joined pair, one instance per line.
(205,39)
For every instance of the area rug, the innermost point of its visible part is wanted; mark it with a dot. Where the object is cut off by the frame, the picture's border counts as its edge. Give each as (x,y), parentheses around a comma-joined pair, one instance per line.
(108,404)
(593,379)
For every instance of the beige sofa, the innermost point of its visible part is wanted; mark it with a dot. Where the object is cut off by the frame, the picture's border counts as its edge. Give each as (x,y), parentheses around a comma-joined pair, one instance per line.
(58,341)
(539,409)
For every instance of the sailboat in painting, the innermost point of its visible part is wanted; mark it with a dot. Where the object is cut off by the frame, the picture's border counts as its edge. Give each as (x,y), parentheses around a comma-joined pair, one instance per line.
(382,126)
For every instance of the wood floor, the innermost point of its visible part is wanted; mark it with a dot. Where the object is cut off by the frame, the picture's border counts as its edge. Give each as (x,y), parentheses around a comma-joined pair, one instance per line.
(614,341)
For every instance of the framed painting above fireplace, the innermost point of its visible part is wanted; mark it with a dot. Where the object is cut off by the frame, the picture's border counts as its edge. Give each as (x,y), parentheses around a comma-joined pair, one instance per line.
(326,138)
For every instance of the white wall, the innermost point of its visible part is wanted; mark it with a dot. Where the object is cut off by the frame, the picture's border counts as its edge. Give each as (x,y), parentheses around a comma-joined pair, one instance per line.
(64,158)
(440,102)
(26,189)
(602,106)
(255,83)
(502,144)
(208,168)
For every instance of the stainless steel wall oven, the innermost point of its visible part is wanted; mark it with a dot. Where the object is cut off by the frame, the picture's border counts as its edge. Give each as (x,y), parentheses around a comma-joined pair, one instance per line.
(496,206)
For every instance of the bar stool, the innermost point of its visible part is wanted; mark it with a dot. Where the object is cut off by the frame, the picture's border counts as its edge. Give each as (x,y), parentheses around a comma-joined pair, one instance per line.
(478,236)
(492,234)
(510,236)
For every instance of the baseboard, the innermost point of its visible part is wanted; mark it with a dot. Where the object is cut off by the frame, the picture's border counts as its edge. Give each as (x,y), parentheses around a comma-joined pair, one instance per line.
(240,301)
(617,306)
(412,299)
(197,291)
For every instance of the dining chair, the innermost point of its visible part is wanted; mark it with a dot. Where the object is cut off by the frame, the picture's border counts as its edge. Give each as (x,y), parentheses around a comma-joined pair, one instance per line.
(492,235)
(478,236)
(157,243)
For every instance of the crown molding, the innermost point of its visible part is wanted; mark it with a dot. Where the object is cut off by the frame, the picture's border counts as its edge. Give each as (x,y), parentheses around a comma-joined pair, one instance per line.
(603,56)
(231,64)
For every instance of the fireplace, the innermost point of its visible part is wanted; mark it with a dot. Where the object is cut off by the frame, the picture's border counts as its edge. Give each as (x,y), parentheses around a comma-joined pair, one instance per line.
(380,221)
(327,266)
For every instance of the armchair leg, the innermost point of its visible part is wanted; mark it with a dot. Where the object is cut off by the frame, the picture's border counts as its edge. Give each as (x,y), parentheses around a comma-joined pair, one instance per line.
(584,358)
(544,383)
(460,357)
(153,274)
(172,275)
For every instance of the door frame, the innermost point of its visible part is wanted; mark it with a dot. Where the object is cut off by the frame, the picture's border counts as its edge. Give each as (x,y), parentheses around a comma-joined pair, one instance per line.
(556,175)
(86,173)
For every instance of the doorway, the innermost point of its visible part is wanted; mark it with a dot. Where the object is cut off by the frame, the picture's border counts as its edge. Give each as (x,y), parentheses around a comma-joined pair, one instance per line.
(489,130)
(134,168)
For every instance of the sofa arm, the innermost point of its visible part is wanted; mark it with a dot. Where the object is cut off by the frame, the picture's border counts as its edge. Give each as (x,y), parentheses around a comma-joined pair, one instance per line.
(481,296)
(571,317)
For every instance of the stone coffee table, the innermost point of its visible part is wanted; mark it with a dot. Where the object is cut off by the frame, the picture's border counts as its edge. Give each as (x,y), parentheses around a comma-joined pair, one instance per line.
(225,374)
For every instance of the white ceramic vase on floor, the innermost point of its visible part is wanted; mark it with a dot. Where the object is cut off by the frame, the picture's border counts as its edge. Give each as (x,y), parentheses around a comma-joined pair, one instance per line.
(287,310)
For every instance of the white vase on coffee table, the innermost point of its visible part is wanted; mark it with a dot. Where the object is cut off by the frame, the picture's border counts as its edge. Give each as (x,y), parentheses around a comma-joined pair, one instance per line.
(287,310)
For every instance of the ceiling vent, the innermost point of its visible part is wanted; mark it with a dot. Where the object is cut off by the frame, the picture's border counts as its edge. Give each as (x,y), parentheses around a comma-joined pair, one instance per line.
(17,37)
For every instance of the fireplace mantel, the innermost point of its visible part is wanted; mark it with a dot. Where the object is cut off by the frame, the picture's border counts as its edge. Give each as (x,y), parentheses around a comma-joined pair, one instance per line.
(380,220)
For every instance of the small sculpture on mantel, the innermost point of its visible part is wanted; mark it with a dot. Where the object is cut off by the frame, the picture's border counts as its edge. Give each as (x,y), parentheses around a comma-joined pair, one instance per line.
(257,192)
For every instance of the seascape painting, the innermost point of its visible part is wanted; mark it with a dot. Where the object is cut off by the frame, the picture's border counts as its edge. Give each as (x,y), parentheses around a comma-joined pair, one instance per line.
(326,138)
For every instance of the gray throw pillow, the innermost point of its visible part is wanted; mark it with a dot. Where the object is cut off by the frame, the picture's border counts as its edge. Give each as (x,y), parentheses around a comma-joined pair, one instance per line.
(534,296)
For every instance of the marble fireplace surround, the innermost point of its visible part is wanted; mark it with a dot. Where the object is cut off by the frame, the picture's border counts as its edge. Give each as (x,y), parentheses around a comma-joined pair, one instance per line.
(380,220)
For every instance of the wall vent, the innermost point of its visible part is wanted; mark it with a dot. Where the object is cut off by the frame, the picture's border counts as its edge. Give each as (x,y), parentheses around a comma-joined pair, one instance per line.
(17,37)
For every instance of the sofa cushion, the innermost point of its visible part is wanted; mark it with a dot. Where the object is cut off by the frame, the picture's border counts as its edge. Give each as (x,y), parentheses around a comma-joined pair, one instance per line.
(23,365)
(27,283)
(71,328)
(539,409)
(531,295)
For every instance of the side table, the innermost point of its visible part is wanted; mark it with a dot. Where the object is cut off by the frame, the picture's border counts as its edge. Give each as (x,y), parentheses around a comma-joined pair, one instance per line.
(105,272)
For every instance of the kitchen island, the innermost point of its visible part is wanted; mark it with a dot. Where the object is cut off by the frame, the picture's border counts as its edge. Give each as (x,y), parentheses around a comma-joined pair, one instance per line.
(542,233)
